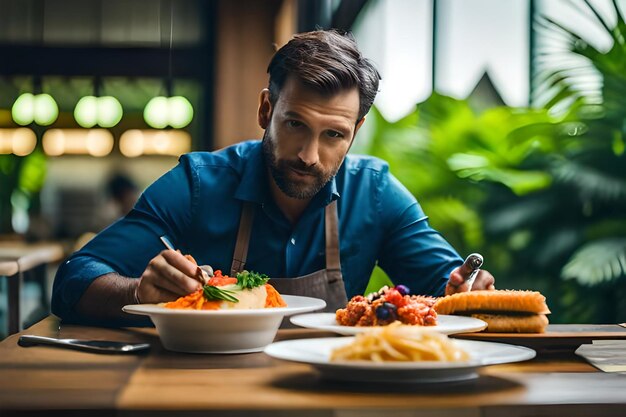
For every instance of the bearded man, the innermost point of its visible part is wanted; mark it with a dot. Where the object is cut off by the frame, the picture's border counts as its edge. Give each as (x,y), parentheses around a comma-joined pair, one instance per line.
(294,206)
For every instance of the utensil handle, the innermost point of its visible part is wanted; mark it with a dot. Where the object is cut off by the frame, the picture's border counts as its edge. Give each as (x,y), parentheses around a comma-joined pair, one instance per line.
(470,268)
(31,340)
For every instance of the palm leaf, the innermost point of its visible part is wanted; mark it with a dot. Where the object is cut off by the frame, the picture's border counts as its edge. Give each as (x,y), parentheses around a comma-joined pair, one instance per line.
(456,220)
(597,262)
(589,181)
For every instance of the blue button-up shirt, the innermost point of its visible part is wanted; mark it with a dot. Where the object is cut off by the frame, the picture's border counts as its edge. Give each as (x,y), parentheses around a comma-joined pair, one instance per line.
(198,205)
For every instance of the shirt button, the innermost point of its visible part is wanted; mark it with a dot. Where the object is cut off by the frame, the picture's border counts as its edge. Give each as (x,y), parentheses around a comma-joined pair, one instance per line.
(293,241)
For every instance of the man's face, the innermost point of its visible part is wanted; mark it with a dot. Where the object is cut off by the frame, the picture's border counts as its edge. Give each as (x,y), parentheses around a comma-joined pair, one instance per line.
(307,136)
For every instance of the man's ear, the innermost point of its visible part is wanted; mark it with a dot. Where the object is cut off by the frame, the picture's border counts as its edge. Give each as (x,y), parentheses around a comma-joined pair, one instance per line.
(265,109)
(358,125)
(356,129)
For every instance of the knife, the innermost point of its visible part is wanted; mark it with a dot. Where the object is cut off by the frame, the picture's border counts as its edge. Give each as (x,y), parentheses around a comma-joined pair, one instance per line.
(470,268)
(102,346)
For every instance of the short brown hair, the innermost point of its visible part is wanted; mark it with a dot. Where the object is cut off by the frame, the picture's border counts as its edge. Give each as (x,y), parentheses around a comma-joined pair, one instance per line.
(327,61)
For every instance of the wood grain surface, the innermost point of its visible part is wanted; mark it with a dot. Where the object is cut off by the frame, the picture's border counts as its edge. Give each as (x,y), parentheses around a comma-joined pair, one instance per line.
(161,382)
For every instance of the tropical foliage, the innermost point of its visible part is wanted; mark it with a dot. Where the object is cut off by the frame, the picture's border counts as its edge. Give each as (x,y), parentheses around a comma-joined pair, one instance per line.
(21,179)
(540,192)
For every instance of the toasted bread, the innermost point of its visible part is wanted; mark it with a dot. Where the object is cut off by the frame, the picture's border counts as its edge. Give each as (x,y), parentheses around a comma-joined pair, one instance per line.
(493,301)
(501,323)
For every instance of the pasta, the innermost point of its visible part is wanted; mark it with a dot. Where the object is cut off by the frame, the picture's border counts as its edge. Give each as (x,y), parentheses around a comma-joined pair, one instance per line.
(399,342)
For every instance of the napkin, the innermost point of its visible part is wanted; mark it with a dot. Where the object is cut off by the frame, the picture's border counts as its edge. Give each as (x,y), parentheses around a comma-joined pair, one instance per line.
(606,355)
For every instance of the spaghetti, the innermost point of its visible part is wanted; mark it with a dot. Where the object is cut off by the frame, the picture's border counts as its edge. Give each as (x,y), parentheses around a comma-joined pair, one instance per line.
(400,343)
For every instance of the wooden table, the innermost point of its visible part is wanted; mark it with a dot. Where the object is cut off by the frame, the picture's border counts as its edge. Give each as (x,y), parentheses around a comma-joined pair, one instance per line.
(51,381)
(16,258)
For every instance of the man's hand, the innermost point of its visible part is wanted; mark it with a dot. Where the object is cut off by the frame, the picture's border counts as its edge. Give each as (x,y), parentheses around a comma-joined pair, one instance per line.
(169,275)
(456,283)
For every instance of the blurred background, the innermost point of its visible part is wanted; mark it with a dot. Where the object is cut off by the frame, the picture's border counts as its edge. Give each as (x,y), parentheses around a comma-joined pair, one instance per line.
(506,119)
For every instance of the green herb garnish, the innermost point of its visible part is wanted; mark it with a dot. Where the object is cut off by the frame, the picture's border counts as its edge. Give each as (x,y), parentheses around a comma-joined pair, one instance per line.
(250,279)
(215,293)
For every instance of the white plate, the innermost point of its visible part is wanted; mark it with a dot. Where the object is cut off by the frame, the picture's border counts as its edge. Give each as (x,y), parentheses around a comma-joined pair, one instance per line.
(445,324)
(221,331)
(316,352)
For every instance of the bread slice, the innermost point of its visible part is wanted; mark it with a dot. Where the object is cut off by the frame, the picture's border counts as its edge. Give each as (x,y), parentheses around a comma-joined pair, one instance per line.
(501,323)
(493,301)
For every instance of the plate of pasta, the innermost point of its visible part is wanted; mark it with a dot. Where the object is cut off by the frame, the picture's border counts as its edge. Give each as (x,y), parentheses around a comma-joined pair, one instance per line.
(397,354)
(445,324)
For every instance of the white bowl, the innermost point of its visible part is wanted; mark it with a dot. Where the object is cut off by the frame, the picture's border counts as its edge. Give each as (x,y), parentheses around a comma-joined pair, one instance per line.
(221,331)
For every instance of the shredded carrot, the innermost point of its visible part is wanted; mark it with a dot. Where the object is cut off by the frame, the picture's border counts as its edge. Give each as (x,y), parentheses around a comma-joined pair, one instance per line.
(220,280)
(273,298)
(196,300)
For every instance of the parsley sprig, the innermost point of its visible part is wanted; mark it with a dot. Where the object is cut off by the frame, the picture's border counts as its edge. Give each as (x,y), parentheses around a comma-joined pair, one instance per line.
(251,279)
(215,293)
(245,280)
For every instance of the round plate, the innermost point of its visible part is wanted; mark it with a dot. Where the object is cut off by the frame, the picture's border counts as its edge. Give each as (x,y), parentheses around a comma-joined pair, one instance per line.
(316,352)
(221,331)
(445,324)
(295,305)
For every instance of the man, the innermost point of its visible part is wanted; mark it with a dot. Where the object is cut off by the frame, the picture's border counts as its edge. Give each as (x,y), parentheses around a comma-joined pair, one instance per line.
(293,205)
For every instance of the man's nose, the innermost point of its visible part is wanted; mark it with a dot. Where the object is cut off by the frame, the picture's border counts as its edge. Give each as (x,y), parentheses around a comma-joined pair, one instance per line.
(309,152)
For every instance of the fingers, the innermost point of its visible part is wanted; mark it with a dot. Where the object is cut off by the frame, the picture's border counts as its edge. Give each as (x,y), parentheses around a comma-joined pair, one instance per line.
(484,281)
(456,283)
(168,275)
(180,262)
(150,294)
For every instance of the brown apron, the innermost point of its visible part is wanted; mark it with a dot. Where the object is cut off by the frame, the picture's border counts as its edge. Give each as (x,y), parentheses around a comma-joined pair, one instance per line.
(326,284)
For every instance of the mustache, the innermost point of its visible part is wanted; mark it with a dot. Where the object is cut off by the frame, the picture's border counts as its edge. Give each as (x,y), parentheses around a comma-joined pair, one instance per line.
(302,167)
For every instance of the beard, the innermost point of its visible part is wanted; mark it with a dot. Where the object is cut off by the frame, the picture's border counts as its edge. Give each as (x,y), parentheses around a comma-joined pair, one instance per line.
(281,171)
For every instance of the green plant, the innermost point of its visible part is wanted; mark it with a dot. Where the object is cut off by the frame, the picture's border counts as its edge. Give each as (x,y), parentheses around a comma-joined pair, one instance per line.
(540,192)
(21,179)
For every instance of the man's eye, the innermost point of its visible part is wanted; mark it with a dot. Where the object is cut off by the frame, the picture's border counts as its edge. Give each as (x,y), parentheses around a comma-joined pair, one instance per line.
(293,123)
(334,134)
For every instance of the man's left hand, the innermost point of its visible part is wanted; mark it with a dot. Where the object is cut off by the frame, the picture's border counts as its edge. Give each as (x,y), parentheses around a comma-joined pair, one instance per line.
(456,283)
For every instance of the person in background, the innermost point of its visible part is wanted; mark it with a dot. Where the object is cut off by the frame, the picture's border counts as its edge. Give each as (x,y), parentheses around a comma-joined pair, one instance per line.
(294,205)
(124,193)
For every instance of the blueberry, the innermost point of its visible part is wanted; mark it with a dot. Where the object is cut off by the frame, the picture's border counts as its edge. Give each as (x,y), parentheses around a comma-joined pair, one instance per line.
(403,289)
(392,307)
(382,313)
(386,312)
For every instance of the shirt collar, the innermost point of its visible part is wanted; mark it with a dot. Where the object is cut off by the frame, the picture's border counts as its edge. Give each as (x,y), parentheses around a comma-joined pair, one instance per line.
(254,187)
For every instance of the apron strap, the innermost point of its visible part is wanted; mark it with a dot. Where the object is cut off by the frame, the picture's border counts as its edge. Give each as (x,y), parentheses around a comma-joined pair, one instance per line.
(333,262)
(331,230)
(243,239)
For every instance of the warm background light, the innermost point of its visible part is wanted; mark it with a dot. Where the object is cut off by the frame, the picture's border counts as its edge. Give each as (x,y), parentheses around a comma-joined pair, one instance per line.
(86,111)
(155,113)
(41,109)
(109,111)
(23,110)
(46,110)
(21,141)
(103,111)
(161,112)
(180,112)
(94,142)
(137,142)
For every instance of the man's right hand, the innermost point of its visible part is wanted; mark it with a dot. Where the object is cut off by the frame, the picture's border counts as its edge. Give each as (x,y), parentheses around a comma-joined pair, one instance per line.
(169,275)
